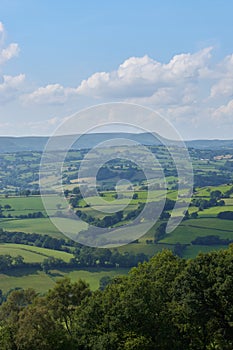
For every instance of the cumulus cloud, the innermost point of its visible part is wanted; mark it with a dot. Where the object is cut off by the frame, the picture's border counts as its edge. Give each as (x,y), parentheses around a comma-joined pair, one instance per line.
(224,83)
(141,79)
(143,76)
(9,85)
(49,94)
(223,111)
(189,88)
(9,52)
(6,53)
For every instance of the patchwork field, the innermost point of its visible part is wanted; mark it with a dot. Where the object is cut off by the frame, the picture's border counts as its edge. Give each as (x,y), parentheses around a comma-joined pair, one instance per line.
(19,208)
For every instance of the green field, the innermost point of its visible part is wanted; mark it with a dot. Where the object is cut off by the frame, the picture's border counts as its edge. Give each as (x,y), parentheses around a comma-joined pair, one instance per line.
(214,211)
(206,224)
(32,254)
(41,282)
(190,229)
(24,205)
(205,191)
(41,225)
(193,250)
(147,249)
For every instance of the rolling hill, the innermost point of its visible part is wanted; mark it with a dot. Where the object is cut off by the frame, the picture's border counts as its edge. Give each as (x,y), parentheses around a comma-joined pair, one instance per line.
(37,143)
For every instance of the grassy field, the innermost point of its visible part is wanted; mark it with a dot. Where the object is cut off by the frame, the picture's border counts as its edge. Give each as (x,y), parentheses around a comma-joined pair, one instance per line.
(190,229)
(25,205)
(148,249)
(41,282)
(193,250)
(32,254)
(206,224)
(205,191)
(41,225)
(214,211)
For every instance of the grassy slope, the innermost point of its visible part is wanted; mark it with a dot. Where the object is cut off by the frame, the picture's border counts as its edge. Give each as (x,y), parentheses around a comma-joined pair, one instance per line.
(193,251)
(42,282)
(42,226)
(32,254)
(206,224)
(190,229)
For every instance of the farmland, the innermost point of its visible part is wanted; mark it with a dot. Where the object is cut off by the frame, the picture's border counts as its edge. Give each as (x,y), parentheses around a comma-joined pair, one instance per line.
(41,282)
(32,254)
(23,211)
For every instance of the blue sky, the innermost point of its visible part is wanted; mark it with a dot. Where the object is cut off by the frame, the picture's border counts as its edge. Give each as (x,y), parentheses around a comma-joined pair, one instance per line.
(57,57)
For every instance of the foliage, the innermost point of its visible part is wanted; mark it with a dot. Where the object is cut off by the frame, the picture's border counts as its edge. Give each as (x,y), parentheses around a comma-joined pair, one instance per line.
(211,240)
(227,215)
(166,303)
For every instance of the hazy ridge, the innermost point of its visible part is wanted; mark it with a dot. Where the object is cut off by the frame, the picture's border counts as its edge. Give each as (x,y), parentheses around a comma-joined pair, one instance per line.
(37,143)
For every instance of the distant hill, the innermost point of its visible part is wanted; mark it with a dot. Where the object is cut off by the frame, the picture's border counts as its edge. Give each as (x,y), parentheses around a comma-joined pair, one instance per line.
(210,144)
(19,144)
(37,143)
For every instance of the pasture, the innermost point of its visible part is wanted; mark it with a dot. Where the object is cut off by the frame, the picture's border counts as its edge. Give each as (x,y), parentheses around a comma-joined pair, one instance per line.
(40,225)
(32,254)
(42,282)
(188,230)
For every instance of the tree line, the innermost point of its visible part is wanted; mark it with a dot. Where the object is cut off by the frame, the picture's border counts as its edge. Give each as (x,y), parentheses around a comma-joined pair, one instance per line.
(166,303)
(83,256)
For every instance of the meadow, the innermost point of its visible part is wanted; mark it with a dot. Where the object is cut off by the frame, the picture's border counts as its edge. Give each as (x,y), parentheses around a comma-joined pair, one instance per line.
(15,204)
(188,230)
(32,254)
(41,282)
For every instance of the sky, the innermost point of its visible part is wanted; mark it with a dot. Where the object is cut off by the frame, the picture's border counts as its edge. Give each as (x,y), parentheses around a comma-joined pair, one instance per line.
(175,57)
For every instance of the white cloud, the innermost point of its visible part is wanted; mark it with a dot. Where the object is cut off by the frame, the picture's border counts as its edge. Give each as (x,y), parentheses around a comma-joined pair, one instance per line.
(224,111)
(224,83)
(2,34)
(189,90)
(6,53)
(49,94)
(9,52)
(143,76)
(10,86)
(140,78)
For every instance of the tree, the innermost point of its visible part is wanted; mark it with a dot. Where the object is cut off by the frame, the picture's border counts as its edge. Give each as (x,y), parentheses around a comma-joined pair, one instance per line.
(203,301)
(119,310)
(225,215)
(135,196)
(194,215)
(64,298)
(160,232)
(38,330)
(27,193)
(10,310)
(104,281)
(216,194)
(66,193)
(18,261)
(164,215)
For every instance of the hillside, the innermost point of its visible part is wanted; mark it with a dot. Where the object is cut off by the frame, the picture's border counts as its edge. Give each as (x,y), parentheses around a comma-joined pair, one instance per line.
(37,143)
